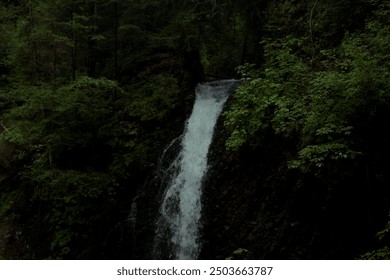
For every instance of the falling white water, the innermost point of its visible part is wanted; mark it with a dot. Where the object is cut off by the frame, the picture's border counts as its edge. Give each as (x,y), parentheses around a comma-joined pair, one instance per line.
(178,224)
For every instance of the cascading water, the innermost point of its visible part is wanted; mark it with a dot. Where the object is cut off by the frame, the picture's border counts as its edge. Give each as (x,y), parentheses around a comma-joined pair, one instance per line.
(177,235)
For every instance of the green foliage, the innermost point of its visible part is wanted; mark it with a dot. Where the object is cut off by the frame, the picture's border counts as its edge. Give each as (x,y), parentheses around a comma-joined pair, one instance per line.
(317,106)
(57,138)
(384,233)
(7,201)
(317,156)
(271,100)
(382,253)
(154,99)
(238,254)
(72,197)
(42,119)
(146,110)
(74,142)
(78,151)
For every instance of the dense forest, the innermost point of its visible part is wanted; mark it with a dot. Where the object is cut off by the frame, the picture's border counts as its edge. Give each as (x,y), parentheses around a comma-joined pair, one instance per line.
(92,91)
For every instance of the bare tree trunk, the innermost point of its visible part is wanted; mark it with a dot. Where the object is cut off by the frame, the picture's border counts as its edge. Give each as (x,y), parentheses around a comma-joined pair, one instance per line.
(54,75)
(33,42)
(115,40)
(244,49)
(92,40)
(311,29)
(74,50)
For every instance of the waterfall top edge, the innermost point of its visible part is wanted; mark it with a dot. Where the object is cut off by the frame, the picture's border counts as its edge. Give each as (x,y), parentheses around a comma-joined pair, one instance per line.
(217,89)
(221,82)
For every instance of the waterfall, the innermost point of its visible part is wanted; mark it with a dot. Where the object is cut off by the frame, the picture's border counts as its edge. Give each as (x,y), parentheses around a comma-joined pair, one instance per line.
(177,234)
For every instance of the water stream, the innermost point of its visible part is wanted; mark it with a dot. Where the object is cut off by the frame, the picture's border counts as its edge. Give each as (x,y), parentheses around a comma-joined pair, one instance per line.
(177,233)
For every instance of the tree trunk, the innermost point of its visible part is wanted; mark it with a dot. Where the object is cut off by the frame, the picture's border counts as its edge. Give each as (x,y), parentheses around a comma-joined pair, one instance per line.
(115,40)
(244,49)
(54,75)
(74,50)
(33,42)
(92,40)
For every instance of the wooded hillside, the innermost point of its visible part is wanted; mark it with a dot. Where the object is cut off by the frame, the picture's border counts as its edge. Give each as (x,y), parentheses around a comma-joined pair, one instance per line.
(92,91)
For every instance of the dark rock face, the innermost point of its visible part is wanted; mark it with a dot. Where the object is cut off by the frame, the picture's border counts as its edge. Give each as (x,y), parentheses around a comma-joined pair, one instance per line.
(252,201)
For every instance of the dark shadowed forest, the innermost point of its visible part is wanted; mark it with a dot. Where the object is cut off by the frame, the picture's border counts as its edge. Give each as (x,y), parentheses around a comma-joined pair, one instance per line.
(93,91)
